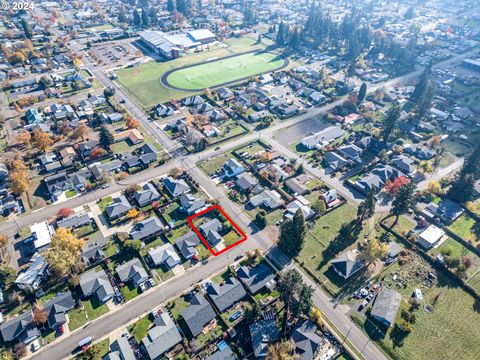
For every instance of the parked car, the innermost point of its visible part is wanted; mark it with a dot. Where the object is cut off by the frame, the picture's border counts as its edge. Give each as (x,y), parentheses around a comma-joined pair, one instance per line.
(151,282)
(236,315)
(362,305)
(35,345)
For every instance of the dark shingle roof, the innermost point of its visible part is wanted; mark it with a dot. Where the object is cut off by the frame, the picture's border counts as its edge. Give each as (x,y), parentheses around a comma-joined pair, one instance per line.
(197,314)
(255,278)
(226,295)
(306,340)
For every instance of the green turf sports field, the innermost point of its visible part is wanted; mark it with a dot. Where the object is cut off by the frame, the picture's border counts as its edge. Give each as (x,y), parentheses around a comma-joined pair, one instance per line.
(224,70)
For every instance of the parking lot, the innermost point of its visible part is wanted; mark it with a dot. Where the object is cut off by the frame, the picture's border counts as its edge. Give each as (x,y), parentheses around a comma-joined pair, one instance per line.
(115,53)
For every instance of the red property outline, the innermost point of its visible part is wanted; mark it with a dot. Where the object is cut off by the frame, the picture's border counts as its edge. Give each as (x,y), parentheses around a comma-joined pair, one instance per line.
(205,242)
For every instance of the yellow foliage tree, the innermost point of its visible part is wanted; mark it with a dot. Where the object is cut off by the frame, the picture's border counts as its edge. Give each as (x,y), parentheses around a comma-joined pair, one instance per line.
(132,213)
(434,187)
(42,140)
(63,251)
(375,250)
(19,182)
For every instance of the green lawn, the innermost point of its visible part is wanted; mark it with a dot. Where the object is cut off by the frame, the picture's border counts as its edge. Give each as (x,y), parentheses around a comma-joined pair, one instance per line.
(102,204)
(70,193)
(120,147)
(176,306)
(140,328)
(163,274)
(463,228)
(458,251)
(217,72)
(94,309)
(129,292)
(77,318)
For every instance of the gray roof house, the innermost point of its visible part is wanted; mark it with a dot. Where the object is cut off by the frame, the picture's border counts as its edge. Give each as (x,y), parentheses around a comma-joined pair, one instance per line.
(447,210)
(119,207)
(335,161)
(164,254)
(146,228)
(75,221)
(225,353)
(386,306)
(92,254)
(352,152)
(120,349)
(57,307)
(232,168)
(267,199)
(210,230)
(322,138)
(31,279)
(226,295)
(307,341)
(162,337)
(57,184)
(175,187)
(96,282)
(257,278)
(187,244)
(263,333)
(133,271)
(190,204)
(347,264)
(197,314)
(246,181)
(147,195)
(404,164)
(20,327)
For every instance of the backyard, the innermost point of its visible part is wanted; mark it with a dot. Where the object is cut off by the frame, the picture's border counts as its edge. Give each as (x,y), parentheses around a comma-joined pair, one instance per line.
(449,331)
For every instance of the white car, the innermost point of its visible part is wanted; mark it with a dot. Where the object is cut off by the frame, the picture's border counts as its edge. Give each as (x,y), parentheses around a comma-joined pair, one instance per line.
(35,345)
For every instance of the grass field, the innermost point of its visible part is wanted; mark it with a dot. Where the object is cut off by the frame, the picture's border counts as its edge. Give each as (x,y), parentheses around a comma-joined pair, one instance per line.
(450,331)
(221,71)
(143,81)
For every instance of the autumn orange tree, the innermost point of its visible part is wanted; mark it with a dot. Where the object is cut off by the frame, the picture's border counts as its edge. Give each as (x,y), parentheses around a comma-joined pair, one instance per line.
(131,122)
(64,213)
(19,182)
(80,132)
(63,251)
(42,140)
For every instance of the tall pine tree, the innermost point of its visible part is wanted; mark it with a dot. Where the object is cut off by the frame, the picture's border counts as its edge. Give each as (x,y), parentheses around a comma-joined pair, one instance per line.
(362,93)
(390,123)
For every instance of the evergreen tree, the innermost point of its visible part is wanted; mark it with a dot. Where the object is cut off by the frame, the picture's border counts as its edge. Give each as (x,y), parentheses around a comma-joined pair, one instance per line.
(105,138)
(462,189)
(366,209)
(361,93)
(26,29)
(181,7)
(282,34)
(145,19)
(122,17)
(170,6)
(137,20)
(295,40)
(390,123)
(404,200)
(304,306)
(410,13)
